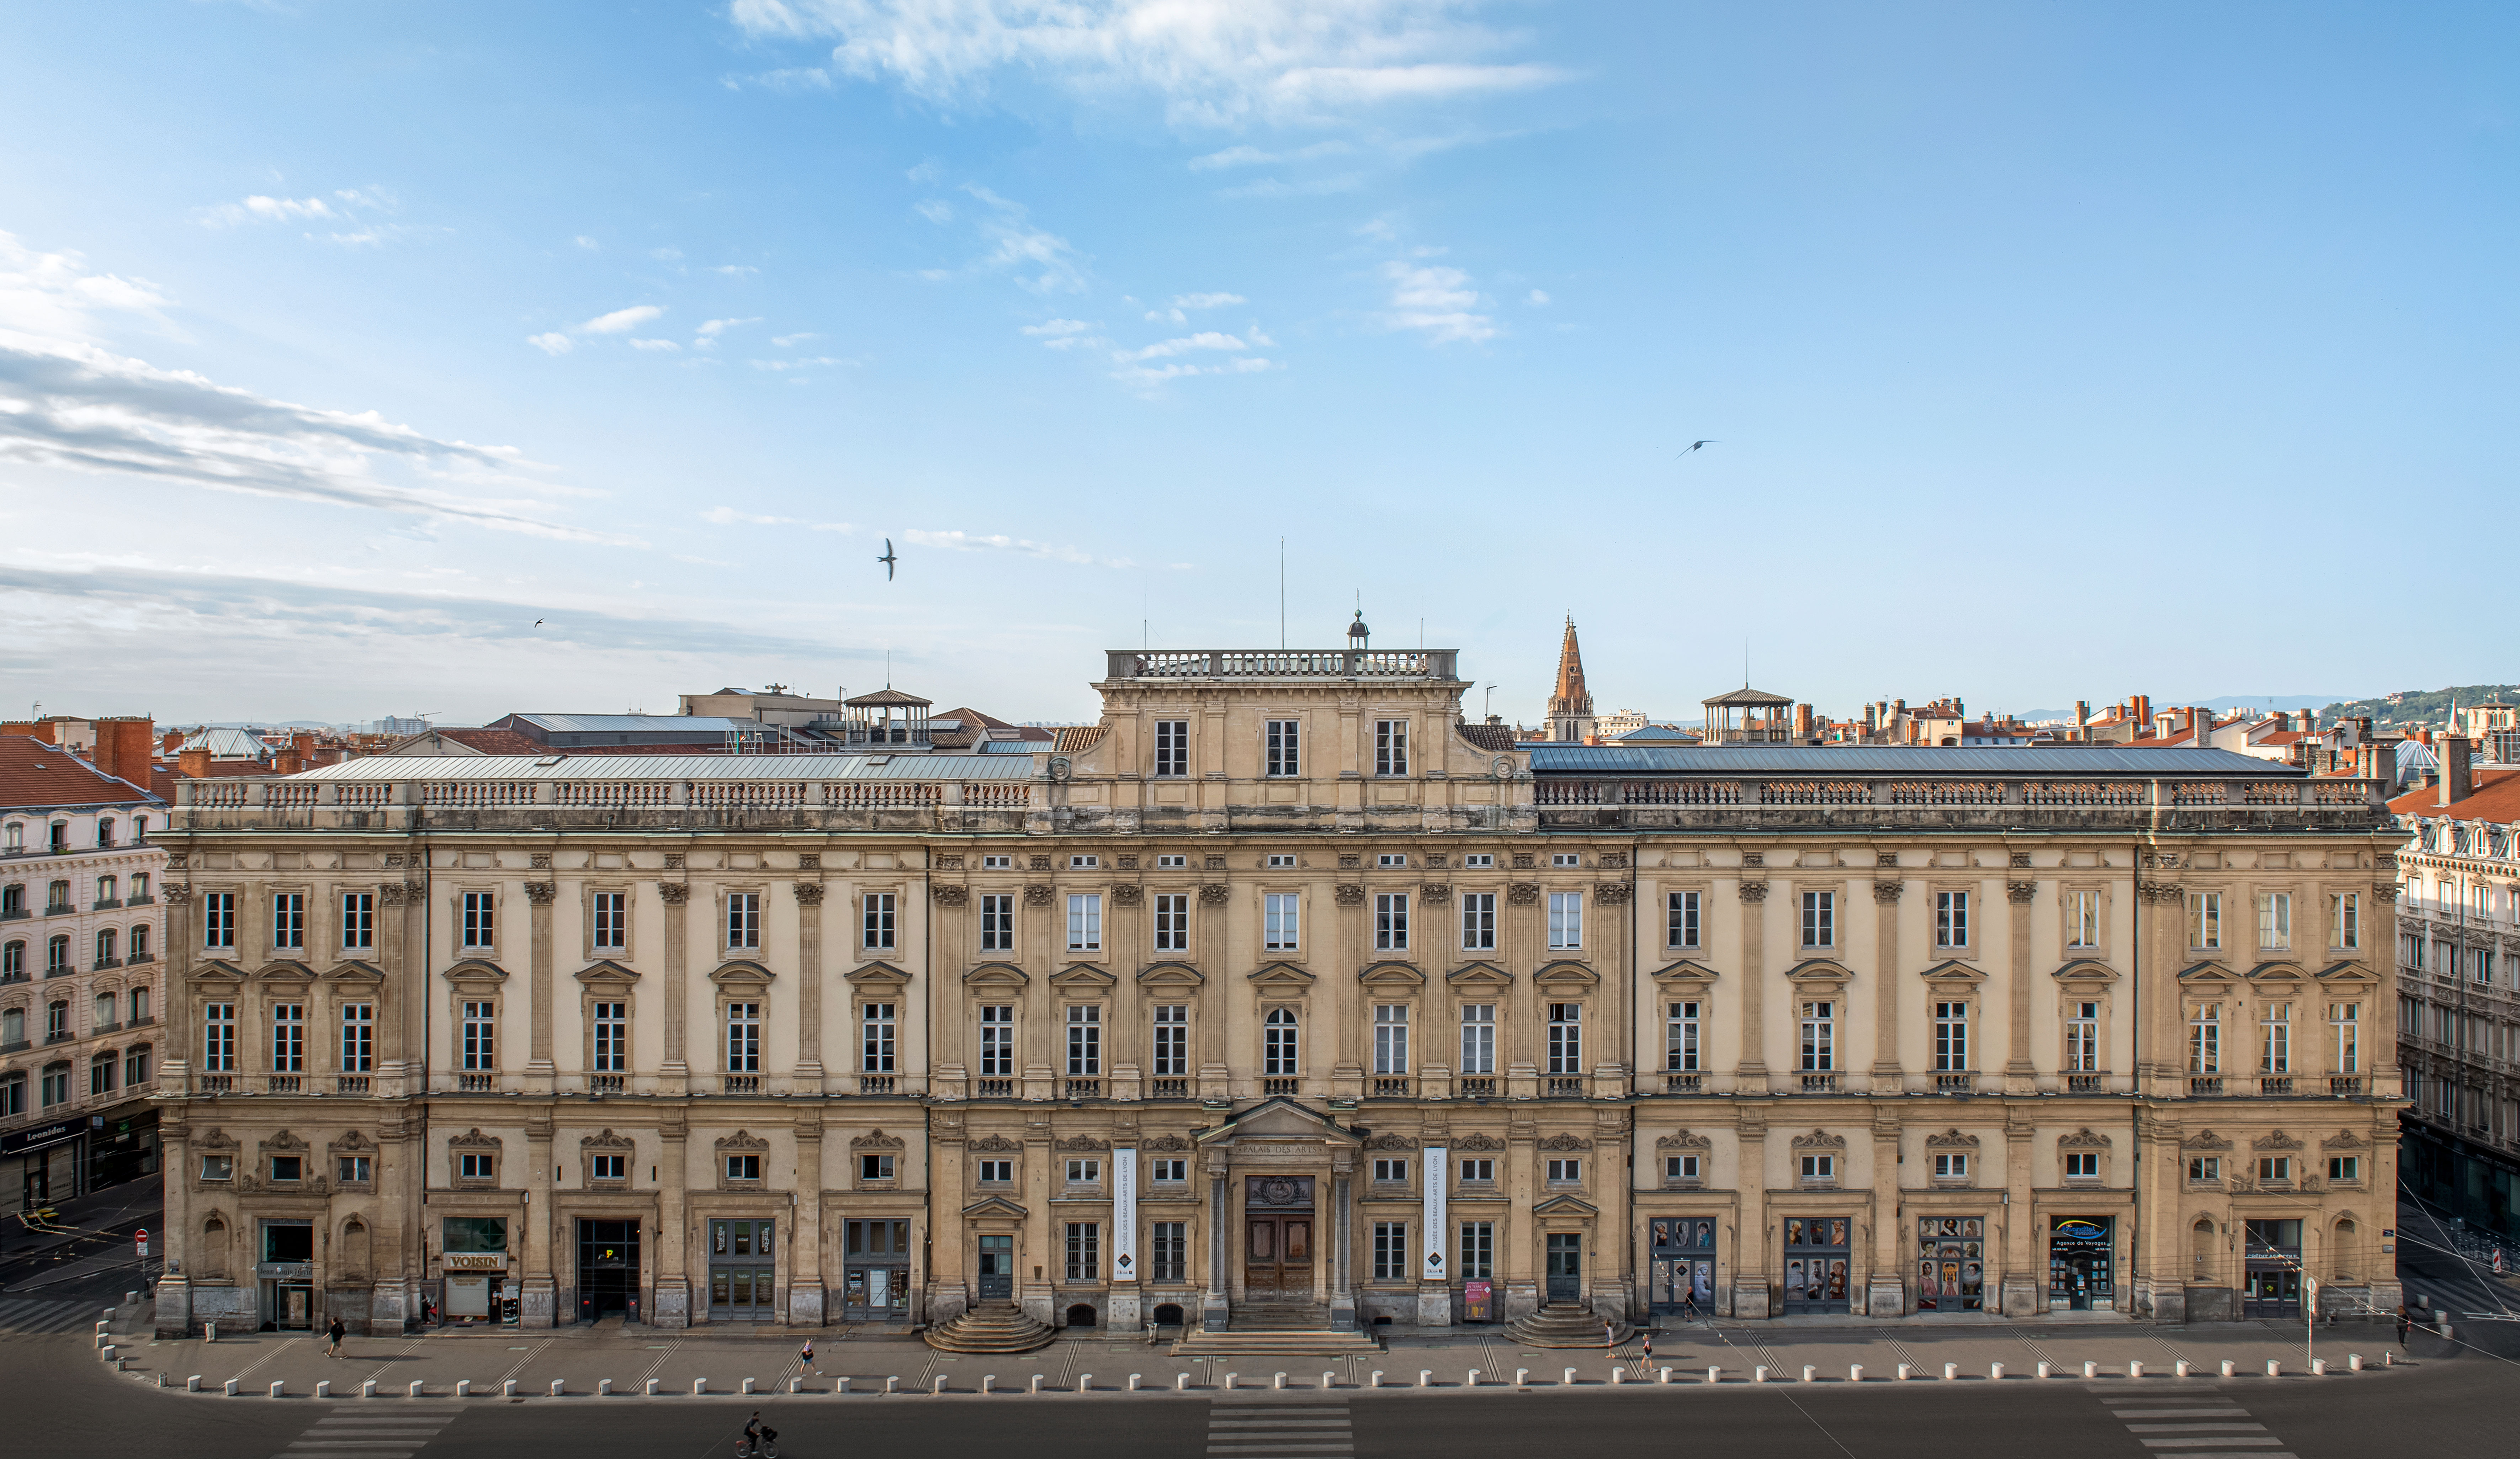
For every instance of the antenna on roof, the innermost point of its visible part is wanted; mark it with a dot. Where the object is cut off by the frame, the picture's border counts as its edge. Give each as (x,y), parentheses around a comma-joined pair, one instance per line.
(1281,595)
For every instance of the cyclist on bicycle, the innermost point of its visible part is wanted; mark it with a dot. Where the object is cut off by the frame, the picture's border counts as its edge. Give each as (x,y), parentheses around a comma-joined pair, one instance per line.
(757,1435)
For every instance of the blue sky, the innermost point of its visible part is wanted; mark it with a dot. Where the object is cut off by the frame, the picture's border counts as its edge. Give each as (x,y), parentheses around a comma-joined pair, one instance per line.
(2050,352)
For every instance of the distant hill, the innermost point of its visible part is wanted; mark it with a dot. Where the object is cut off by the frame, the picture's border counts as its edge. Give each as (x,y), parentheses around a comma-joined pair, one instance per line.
(2417,709)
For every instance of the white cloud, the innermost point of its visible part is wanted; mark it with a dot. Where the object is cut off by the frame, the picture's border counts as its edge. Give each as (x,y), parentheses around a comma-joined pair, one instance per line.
(664,344)
(803,364)
(720,326)
(1254,157)
(735,270)
(1317,187)
(1147,377)
(1435,299)
(1206,300)
(1211,64)
(1204,340)
(934,209)
(554,343)
(666,256)
(621,321)
(585,241)
(729,517)
(960,541)
(355,208)
(56,294)
(1538,297)
(261,209)
(1020,248)
(784,340)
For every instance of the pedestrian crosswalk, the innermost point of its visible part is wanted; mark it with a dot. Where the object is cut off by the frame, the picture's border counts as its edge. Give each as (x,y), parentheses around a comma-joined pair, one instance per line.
(2194,1424)
(374,1432)
(1280,1429)
(27,1314)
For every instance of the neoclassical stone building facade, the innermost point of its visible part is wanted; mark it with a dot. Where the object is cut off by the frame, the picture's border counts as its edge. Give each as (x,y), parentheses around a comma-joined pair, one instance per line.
(1286,996)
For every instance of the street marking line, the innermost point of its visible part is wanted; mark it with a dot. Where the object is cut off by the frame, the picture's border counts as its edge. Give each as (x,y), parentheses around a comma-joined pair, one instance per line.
(2196,1428)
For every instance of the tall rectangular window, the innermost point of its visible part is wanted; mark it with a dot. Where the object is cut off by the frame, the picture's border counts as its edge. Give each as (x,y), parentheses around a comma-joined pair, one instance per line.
(743,921)
(1084,1250)
(1283,747)
(876,1035)
(481,924)
(1682,929)
(1565,919)
(1478,1038)
(2083,919)
(1084,922)
(1172,747)
(218,1038)
(218,920)
(997,1040)
(1084,1041)
(288,919)
(1391,747)
(2345,920)
(612,921)
(1168,1251)
(879,921)
(2205,1039)
(480,1035)
(2083,1038)
(1951,919)
(1478,1252)
(1820,1037)
(1566,1038)
(1281,921)
(358,1039)
(997,922)
(1278,1044)
(2274,1039)
(2274,920)
(2345,1022)
(1391,1251)
(1171,1041)
(2204,919)
(358,921)
(1820,919)
(1680,1038)
(1950,1037)
(612,1037)
(1391,1038)
(744,1038)
(1479,922)
(1391,921)
(1172,922)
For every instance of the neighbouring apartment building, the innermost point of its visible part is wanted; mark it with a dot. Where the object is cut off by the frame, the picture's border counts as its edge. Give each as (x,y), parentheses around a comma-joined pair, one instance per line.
(80,942)
(1282,989)
(2458,971)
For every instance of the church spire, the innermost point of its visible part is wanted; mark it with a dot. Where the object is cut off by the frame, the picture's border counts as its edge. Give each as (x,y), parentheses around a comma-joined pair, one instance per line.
(1570,709)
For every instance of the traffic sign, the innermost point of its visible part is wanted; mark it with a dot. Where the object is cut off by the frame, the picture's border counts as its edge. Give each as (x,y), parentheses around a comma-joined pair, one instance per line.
(139,1241)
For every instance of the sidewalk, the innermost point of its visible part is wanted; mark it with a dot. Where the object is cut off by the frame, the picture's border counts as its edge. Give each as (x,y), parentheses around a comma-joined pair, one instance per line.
(580,1359)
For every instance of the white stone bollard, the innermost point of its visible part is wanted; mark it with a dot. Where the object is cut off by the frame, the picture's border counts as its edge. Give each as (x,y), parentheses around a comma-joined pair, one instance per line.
(797,1385)
(1570,1380)
(937,1387)
(1811,1373)
(464,1388)
(209,1331)
(2388,1360)
(892,1384)
(1662,1376)
(1230,1380)
(279,1389)
(2353,1362)
(1855,1373)
(1279,1381)
(1425,1378)
(1951,1372)
(2182,1369)
(700,1385)
(840,1384)
(414,1387)
(1474,1380)
(1376,1380)
(559,1387)
(1903,1370)
(2229,1367)
(2274,1368)
(1522,1378)
(1181,1382)
(1330,1380)
(750,1386)
(1036,1383)
(1759,1373)
(2090,1368)
(1714,1376)
(603,1388)
(2134,1370)
(989,1384)
(508,1388)
(1994,1371)
(1618,1375)
(2318,1367)
(1137,1381)
(193,1385)
(232,1387)
(368,1388)
(651,1388)
(323,1388)
(2047,1370)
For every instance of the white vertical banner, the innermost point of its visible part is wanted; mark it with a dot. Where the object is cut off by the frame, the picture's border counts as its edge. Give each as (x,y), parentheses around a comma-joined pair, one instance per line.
(1430,1265)
(1124,1213)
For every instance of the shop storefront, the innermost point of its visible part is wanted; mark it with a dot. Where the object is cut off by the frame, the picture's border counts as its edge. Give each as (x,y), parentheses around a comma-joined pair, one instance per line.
(473,1256)
(45,1160)
(744,1271)
(874,1280)
(1950,1263)
(2274,1269)
(1817,1278)
(287,1275)
(1682,1263)
(2081,1265)
(607,1268)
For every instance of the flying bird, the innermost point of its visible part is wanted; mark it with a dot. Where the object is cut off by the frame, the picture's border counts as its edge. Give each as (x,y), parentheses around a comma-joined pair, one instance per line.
(1695,444)
(887,560)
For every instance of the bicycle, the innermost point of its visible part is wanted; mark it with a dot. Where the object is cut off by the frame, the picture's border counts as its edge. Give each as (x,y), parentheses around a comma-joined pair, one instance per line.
(764,1447)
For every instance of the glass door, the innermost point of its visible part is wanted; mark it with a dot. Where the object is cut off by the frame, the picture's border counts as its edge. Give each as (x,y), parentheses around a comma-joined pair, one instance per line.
(1684,1264)
(1817,1275)
(997,1272)
(1950,1263)
(743,1272)
(1565,1266)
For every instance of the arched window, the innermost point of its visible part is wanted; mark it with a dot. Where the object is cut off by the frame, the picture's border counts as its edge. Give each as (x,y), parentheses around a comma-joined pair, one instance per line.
(61,841)
(1277,1048)
(140,942)
(105,940)
(56,1084)
(57,956)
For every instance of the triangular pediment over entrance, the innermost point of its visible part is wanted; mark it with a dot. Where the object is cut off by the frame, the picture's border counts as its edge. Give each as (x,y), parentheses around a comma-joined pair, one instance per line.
(1278,1120)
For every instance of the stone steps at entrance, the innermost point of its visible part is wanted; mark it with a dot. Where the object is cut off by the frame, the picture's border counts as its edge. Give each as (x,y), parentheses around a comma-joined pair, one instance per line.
(1323,1342)
(1565,1325)
(998,1328)
(1280,1317)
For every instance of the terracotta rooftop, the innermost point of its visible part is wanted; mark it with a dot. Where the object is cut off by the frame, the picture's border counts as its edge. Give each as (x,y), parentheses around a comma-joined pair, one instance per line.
(2494,797)
(1489,736)
(1076,739)
(35,774)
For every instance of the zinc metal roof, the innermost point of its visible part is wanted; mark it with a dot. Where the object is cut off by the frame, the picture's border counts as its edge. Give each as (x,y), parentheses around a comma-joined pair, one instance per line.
(562,766)
(624,724)
(1887,760)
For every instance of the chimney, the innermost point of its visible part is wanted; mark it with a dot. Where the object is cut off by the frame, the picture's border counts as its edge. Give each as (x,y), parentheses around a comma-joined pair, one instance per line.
(2140,709)
(123,748)
(194,764)
(33,729)
(2082,712)
(1802,721)
(2456,781)
(170,742)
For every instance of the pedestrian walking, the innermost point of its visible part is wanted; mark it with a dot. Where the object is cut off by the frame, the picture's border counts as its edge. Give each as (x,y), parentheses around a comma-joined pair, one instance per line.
(1644,1351)
(333,1336)
(805,1356)
(2402,1325)
(1611,1336)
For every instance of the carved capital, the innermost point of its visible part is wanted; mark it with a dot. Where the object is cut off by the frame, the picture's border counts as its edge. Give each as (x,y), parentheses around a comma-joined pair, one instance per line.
(1522,893)
(1611,893)
(2386,891)
(1128,894)
(540,893)
(413,891)
(2020,893)
(389,893)
(1214,893)
(1349,895)
(539,861)
(810,894)
(1754,891)
(2159,891)
(813,861)
(1435,894)
(1887,893)
(674,894)
(182,892)
(673,861)
(1037,895)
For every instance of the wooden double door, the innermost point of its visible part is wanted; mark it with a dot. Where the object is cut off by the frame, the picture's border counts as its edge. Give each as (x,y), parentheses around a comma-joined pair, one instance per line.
(1278,1258)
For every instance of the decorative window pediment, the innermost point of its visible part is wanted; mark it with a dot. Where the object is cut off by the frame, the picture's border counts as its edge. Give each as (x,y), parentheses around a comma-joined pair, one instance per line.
(2347,975)
(875,1139)
(1951,1139)
(1819,975)
(476,975)
(355,971)
(1082,1142)
(283,1140)
(2205,1139)
(1389,1141)
(743,973)
(1478,1142)
(1566,974)
(2086,975)
(1565,1142)
(742,1140)
(2276,972)
(1083,977)
(353,1142)
(2342,1140)
(2209,979)
(2083,1139)
(608,1140)
(1480,976)
(215,971)
(1395,975)
(1171,975)
(472,1139)
(1687,977)
(2275,1140)
(996,976)
(1820,1139)
(285,970)
(997,1207)
(994,1145)
(1166,1141)
(1565,1205)
(214,1139)
(879,977)
(1954,975)
(607,975)
(1683,1140)
(1284,979)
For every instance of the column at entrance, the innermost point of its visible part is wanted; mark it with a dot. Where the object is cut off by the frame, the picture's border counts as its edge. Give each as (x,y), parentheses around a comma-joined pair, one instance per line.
(672,1304)
(538,1296)
(1342,1265)
(1214,1314)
